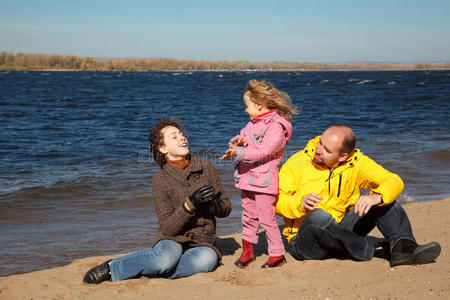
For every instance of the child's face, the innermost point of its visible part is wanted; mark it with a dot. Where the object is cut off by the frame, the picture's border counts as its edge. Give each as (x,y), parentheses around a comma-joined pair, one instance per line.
(252,109)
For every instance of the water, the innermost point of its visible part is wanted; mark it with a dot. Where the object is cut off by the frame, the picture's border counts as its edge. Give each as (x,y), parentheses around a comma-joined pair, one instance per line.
(75,178)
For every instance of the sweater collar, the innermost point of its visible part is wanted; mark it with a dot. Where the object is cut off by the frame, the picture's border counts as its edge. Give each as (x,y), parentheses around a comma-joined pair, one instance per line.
(183,164)
(180,174)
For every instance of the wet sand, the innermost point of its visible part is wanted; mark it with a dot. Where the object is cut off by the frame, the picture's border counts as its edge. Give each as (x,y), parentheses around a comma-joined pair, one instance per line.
(329,279)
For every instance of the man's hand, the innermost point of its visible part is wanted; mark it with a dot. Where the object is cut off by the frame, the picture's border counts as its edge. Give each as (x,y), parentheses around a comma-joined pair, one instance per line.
(311,200)
(365,203)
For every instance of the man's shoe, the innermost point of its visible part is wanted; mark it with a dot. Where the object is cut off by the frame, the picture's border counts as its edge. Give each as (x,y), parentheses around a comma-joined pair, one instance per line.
(98,274)
(416,255)
(248,255)
(381,250)
(274,261)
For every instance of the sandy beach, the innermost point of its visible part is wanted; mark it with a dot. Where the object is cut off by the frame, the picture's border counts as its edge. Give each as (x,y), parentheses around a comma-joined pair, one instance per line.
(329,279)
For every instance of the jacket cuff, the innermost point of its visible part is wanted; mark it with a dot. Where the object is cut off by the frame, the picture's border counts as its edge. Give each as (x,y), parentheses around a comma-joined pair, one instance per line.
(188,207)
(239,153)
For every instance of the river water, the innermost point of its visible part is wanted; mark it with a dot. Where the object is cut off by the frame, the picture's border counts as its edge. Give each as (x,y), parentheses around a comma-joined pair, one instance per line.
(75,177)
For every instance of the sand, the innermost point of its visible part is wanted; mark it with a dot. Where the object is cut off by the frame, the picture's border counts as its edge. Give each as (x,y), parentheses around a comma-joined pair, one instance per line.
(328,279)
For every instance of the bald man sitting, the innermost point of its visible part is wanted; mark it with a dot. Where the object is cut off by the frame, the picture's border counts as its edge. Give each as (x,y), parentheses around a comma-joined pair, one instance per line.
(325,215)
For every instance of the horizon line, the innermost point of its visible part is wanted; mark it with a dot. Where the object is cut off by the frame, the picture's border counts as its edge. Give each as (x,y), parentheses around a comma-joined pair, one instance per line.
(244,60)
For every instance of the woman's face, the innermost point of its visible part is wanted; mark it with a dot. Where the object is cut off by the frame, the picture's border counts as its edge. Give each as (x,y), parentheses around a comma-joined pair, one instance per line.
(175,144)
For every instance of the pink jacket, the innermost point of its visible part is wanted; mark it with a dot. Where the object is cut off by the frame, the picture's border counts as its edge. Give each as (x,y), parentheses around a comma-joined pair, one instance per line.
(258,159)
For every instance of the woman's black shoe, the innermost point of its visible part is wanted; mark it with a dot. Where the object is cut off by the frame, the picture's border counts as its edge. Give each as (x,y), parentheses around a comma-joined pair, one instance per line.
(98,274)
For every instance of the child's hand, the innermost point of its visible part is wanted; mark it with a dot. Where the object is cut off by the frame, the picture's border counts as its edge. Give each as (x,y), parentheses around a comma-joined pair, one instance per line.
(237,141)
(234,142)
(229,153)
(225,156)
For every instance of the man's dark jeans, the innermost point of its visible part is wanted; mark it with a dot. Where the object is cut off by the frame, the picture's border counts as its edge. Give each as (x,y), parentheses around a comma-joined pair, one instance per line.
(321,237)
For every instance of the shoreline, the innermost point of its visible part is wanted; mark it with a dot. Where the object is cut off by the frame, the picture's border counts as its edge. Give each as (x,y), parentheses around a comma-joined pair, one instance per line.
(249,71)
(328,279)
(29,61)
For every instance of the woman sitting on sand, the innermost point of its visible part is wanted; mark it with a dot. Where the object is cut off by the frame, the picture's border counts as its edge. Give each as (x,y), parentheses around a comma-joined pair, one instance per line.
(188,196)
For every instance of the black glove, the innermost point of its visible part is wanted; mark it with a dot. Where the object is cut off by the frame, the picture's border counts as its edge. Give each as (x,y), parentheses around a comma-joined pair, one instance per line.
(203,195)
(216,204)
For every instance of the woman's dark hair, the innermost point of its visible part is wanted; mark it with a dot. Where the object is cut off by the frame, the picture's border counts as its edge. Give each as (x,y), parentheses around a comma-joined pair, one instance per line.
(156,138)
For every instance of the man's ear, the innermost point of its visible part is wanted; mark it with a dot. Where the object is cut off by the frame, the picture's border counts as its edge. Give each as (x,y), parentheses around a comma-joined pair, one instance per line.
(343,157)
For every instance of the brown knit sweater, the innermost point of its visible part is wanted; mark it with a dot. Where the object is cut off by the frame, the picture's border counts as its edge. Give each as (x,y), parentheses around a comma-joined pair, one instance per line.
(170,187)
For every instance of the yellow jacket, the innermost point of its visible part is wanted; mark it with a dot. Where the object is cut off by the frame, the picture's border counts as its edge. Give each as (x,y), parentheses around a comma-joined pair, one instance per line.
(340,187)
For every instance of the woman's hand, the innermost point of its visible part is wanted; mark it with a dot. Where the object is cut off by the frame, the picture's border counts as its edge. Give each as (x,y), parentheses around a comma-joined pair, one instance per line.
(216,204)
(203,195)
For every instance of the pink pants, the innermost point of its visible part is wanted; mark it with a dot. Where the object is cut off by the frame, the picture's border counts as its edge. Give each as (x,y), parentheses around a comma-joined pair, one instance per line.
(259,208)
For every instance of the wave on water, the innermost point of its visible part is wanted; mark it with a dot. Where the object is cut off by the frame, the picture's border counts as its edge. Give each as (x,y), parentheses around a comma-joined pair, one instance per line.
(404,198)
(424,97)
(426,171)
(60,190)
(439,156)
(367,81)
(86,190)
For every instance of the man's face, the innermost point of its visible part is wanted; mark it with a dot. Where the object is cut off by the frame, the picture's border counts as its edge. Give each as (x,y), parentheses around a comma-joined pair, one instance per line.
(328,150)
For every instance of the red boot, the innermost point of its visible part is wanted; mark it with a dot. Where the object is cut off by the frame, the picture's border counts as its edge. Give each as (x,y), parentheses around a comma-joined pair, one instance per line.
(274,261)
(247,256)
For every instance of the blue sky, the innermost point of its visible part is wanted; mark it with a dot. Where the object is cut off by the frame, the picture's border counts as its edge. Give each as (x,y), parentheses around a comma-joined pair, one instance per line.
(304,31)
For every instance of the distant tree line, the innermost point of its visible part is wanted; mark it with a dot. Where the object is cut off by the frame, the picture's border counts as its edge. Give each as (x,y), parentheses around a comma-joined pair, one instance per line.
(29,61)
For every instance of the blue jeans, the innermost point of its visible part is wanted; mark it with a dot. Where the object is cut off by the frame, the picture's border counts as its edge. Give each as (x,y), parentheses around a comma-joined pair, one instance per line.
(166,259)
(321,237)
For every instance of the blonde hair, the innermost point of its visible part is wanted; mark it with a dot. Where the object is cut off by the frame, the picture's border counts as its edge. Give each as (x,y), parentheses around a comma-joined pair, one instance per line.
(265,93)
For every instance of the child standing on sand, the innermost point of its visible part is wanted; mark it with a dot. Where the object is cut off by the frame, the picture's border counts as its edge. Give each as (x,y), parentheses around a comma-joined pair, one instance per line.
(258,150)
